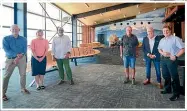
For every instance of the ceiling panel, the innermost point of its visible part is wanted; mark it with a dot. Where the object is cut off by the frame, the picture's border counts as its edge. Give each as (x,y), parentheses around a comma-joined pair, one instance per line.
(77,8)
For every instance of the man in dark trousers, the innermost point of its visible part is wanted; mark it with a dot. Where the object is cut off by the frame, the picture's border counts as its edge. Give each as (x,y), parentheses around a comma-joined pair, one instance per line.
(151,54)
(170,48)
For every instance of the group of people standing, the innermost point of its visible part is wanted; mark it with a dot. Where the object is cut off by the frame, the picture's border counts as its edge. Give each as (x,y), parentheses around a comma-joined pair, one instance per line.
(15,47)
(164,51)
(157,50)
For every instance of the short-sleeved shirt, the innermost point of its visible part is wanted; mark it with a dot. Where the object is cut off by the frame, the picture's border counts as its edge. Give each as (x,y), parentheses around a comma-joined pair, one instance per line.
(171,44)
(129,45)
(39,46)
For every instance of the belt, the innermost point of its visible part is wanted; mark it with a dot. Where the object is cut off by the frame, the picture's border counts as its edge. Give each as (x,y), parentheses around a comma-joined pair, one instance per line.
(165,58)
(39,56)
(11,57)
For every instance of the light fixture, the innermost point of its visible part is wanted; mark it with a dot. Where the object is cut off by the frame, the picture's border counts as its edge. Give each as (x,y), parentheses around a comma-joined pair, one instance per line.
(149,22)
(124,15)
(87,5)
(139,12)
(101,14)
(121,23)
(137,6)
(109,18)
(119,10)
(95,22)
(127,23)
(154,8)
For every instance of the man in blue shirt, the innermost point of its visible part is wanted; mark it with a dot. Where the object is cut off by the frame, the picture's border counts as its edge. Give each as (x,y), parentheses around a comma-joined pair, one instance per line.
(15,47)
(170,48)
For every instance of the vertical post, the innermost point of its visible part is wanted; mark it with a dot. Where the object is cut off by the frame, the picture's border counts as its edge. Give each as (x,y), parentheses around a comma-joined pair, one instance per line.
(20,17)
(45,20)
(74,31)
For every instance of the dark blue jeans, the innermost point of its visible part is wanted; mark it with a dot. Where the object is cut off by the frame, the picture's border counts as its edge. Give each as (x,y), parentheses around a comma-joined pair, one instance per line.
(157,68)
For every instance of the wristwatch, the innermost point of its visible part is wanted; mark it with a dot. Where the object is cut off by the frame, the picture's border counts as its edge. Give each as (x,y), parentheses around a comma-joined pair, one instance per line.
(176,57)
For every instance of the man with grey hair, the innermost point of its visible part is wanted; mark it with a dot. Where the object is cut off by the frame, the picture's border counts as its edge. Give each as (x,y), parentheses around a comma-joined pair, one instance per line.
(15,47)
(151,54)
(61,47)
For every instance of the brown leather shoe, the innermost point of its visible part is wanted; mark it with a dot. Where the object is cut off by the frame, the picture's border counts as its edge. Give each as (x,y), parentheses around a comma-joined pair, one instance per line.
(160,86)
(25,91)
(5,98)
(72,82)
(147,81)
(61,82)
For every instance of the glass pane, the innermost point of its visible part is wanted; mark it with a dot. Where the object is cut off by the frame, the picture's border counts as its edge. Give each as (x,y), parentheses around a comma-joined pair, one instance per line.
(67,28)
(57,23)
(4,32)
(9,4)
(31,34)
(64,14)
(7,20)
(70,21)
(37,8)
(50,46)
(81,29)
(79,36)
(49,35)
(34,21)
(78,43)
(53,11)
(69,35)
(50,25)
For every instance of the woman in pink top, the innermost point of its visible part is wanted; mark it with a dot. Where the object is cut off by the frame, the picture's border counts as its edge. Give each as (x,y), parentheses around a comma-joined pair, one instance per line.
(39,47)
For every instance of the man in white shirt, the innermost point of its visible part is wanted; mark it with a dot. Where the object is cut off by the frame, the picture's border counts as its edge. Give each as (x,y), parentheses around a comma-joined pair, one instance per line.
(170,47)
(61,47)
(151,54)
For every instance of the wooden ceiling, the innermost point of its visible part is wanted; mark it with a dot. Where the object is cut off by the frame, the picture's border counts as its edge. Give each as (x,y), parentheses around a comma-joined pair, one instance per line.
(76,8)
(107,16)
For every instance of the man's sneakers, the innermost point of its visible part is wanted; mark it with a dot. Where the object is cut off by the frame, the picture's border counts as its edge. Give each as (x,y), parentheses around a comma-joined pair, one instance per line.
(133,81)
(127,81)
